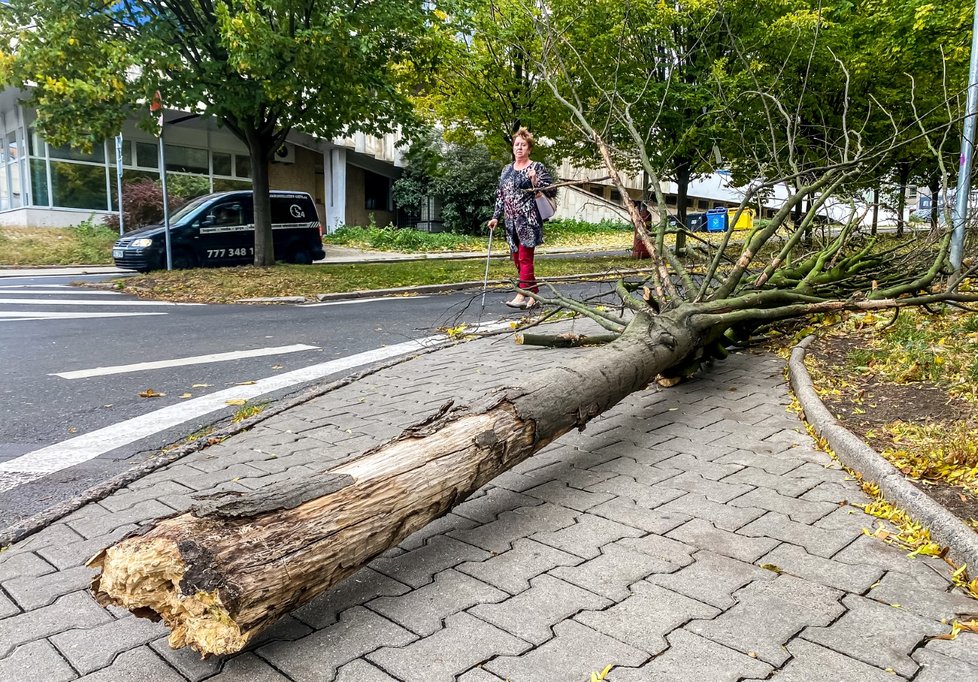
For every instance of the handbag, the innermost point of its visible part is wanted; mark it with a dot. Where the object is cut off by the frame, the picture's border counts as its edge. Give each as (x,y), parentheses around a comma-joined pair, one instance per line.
(546,206)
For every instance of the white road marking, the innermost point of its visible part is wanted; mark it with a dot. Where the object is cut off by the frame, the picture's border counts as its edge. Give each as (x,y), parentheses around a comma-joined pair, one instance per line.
(39,463)
(82,448)
(66,301)
(73,292)
(180,362)
(361,300)
(8,316)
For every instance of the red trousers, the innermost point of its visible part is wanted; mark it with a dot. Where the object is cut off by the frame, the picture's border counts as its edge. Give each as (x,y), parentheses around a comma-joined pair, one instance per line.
(523,260)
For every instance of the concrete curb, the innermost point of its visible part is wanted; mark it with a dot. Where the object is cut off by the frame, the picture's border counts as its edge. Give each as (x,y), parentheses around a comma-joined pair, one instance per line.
(944,527)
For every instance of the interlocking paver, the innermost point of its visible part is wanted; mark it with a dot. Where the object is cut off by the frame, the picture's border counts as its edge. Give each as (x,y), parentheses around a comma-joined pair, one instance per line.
(611,573)
(95,648)
(723,516)
(819,541)
(563,495)
(877,634)
(419,566)
(495,501)
(135,665)
(690,657)
(646,616)
(530,615)
(248,667)
(768,614)
(191,665)
(813,663)
(802,511)
(31,592)
(73,610)
(796,561)
(705,535)
(658,521)
(788,484)
(963,648)
(573,653)
(7,606)
(910,594)
(102,524)
(712,579)
(362,671)
(512,570)
(644,494)
(703,467)
(79,551)
(717,491)
(423,609)
(937,668)
(38,661)
(463,643)
(499,535)
(586,537)
(868,551)
(838,493)
(317,657)
(22,565)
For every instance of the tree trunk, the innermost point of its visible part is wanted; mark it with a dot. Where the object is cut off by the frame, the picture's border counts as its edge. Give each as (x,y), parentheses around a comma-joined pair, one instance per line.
(260,149)
(934,185)
(876,211)
(221,573)
(682,194)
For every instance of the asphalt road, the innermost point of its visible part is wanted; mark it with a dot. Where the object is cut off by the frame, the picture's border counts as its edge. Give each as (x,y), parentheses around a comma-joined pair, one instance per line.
(75,363)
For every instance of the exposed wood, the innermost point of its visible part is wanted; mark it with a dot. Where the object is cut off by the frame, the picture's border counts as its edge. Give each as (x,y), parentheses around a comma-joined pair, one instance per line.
(567,340)
(223,572)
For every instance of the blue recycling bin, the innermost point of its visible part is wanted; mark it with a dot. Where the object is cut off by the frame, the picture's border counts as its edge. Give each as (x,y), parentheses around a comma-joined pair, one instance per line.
(716,220)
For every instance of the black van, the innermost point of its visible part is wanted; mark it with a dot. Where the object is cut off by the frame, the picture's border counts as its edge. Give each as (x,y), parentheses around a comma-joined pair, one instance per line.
(219,229)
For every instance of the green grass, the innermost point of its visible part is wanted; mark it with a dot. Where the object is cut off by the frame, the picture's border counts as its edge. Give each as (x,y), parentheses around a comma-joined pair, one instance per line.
(558,234)
(225,285)
(88,244)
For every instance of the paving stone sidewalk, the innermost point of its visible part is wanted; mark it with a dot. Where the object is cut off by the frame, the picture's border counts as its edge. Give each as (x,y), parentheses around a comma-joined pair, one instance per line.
(637,543)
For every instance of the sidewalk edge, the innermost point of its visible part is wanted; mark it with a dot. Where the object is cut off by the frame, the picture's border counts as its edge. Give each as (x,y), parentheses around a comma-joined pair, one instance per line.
(855,454)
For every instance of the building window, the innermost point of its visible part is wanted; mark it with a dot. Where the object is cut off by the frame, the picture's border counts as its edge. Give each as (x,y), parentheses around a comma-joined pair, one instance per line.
(912,192)
(147,155)
(186,160)
(222,163)
(242,166)
(377,191)
(76,185)
(670,200)
(97,155)
(615,196)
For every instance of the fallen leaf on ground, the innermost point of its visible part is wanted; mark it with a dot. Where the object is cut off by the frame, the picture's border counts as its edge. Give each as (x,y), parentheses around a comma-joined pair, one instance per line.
(236,401)
(186,395)
(150,393)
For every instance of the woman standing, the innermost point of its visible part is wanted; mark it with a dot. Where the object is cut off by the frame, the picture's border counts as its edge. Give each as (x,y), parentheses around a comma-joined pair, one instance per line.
(516,201)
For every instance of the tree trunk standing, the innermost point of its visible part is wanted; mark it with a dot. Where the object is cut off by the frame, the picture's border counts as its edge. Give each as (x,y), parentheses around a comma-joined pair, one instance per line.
(682,193)
(903,178)
(260,149)
(223,572)
(876,211)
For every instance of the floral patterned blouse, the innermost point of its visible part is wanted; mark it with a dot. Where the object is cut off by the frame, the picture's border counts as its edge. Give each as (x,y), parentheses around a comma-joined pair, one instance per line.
(523,224)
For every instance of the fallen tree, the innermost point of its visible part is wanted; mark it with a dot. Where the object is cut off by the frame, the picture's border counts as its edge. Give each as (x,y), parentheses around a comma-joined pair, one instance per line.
(222,572)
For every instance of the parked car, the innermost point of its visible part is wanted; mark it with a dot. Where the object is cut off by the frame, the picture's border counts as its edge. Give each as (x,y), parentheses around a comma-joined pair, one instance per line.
(219,229)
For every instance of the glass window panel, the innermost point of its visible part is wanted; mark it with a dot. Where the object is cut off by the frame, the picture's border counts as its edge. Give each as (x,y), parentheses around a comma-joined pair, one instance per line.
(186,159)
(126,152)
(4,190)
(35,143)
(75,185)
(222,163)
(147,155)
(39,183)
(242,166)
(16,171)
(97,155)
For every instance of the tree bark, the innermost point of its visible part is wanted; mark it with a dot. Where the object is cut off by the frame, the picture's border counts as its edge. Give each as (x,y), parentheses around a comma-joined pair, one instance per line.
(259,148)
(221,573)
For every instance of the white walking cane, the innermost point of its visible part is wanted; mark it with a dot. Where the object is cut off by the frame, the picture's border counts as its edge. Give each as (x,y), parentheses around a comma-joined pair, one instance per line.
(485,280)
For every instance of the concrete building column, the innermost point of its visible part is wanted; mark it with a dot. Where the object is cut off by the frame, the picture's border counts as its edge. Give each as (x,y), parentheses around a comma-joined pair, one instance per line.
(334,163)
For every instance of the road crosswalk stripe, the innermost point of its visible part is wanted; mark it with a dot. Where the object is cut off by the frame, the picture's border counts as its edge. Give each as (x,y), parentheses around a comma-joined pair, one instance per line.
(180,362)
(68,301)
(9,316)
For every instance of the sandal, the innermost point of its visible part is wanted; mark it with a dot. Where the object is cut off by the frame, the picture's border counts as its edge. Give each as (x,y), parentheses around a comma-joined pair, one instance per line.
(516,304)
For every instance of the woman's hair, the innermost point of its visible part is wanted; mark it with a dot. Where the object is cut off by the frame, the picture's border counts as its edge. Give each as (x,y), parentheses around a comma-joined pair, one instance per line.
(526,135)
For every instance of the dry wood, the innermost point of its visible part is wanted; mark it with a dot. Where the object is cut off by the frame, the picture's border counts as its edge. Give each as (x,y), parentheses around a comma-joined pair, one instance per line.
(234,564)
(567,340)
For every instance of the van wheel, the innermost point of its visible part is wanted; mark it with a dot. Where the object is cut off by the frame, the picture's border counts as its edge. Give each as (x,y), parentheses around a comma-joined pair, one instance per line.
(183,260)
(300,256)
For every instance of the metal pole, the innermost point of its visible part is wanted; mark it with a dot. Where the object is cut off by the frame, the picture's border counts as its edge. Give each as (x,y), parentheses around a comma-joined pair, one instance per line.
(118,180)
(166,203)
(963,188)
(485,280)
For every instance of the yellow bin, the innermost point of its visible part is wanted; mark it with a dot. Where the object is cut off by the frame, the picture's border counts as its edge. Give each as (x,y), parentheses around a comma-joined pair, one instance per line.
(746,221)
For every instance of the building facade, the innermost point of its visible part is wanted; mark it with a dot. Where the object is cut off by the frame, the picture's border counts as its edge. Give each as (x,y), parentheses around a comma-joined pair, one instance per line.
(42,185)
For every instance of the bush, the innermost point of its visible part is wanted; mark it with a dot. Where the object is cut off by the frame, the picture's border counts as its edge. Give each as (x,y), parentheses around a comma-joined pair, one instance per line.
(142,203)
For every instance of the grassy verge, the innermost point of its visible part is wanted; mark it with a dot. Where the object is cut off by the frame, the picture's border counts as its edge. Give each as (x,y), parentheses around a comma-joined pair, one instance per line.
(87,244)
(226,285)
(559,234)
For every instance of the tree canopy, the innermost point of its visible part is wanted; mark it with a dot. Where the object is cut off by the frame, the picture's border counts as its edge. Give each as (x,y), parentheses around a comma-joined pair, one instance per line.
(261,67)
